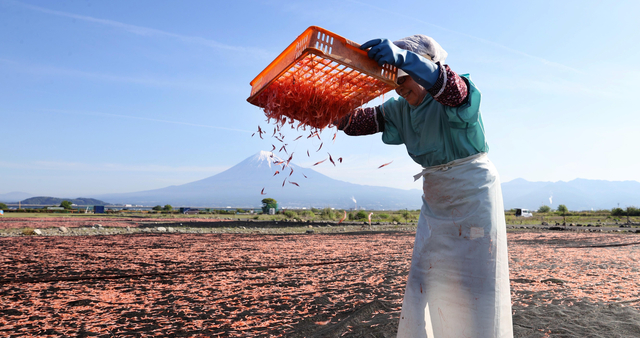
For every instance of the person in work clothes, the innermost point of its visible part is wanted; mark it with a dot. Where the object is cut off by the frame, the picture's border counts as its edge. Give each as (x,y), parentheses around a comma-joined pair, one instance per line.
(458,284)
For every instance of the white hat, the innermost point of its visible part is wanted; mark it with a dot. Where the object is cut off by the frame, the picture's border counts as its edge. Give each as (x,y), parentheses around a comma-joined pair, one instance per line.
(424,46)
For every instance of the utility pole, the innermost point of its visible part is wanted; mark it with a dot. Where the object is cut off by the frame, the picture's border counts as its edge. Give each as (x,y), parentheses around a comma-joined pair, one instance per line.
(628,212)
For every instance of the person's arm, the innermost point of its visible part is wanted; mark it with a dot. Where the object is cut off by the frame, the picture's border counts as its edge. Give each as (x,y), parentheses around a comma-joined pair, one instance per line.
(450,89)
(440,81)
(421,70)
(362,121)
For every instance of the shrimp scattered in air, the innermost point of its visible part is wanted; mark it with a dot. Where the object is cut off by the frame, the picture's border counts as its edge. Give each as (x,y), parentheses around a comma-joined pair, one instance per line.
(294,183)
(262,192)
(330,159)
(384,165)
(319,162)
(343,217)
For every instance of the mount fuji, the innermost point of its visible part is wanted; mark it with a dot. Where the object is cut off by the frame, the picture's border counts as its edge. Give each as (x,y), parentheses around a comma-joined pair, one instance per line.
(241,186)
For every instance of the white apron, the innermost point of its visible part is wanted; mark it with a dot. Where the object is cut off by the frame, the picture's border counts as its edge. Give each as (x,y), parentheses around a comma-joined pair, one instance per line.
(458,285)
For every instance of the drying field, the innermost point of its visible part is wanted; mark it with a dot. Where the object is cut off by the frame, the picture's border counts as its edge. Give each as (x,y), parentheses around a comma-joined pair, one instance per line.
(303,285)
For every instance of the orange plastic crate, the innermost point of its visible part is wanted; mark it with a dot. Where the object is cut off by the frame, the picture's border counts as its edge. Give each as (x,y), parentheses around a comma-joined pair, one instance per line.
(319,58)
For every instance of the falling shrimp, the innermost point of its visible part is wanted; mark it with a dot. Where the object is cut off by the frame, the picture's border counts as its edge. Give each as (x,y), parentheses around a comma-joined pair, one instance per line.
(315,164)
(343,217)
(330,159)
(384,165)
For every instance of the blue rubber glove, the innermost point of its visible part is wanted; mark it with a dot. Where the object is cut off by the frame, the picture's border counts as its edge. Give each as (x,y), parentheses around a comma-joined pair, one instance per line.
(421,70)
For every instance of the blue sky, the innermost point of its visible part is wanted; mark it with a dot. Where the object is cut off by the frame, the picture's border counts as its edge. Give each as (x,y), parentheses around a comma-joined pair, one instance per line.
(120,96)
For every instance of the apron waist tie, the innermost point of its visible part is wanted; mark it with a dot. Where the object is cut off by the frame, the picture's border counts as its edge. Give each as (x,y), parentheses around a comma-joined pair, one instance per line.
(447,166)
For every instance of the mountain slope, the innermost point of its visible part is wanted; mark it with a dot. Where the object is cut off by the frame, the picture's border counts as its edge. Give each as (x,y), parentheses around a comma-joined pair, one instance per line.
(241,186)
(44,200)
(14,196)
(578,194)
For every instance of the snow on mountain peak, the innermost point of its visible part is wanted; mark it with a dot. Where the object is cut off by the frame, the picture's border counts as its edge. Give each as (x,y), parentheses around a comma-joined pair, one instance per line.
(265,156)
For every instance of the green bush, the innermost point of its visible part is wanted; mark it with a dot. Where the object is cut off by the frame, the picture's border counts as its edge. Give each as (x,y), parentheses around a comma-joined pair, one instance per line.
(617,212)
(361,215)
(307,213)
(290,214)
(327,214)
(383,216)
(544,208)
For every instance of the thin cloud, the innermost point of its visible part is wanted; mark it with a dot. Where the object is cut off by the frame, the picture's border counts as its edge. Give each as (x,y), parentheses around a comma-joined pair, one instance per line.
(144,31)
(145,119)
(485,41)
(111,167)
(40,70)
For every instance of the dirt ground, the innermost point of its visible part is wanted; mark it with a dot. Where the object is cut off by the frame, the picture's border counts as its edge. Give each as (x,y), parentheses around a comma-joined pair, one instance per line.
(333,284)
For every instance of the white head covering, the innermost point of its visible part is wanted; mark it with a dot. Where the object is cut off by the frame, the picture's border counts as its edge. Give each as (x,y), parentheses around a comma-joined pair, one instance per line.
(424,46)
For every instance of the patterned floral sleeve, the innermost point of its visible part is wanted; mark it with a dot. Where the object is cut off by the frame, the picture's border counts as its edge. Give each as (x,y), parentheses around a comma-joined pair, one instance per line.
(362,121)
(450,89)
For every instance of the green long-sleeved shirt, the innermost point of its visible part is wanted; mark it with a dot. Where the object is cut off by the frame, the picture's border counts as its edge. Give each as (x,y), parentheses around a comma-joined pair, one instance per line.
(434,133)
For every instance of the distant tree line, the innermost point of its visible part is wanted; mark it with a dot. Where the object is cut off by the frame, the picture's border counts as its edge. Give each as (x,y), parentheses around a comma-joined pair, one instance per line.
(562,209)
(629,211)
